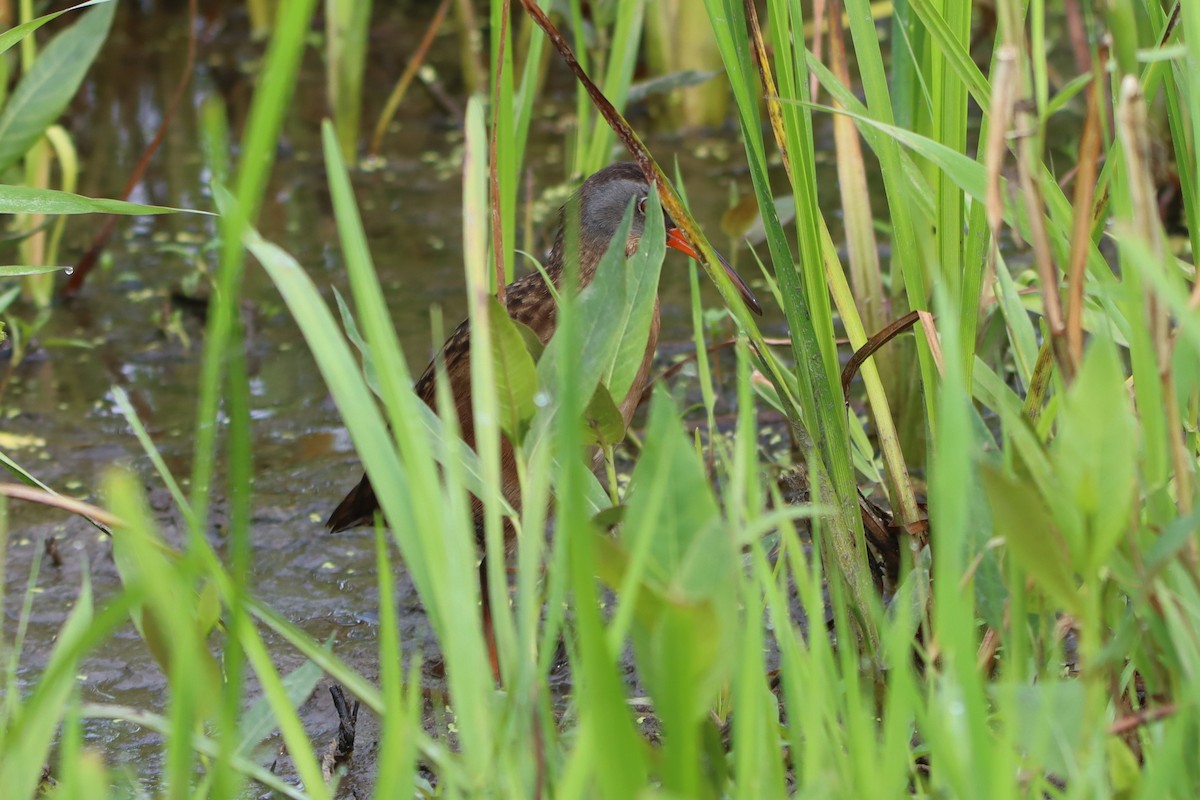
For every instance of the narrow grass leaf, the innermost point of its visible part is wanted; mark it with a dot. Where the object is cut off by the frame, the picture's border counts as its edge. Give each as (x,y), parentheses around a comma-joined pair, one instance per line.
(18,271)
(35,200)
(259,720)
(27,738)
(202,744)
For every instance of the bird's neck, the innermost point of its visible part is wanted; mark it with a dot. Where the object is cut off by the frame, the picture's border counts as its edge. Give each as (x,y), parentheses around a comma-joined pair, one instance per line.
(559,263)
(587,255)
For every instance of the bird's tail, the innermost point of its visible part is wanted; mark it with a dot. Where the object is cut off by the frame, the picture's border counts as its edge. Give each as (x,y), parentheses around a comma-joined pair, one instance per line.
(357,508)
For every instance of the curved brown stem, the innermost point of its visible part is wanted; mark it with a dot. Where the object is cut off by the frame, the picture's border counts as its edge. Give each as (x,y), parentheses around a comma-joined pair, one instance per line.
(874,343)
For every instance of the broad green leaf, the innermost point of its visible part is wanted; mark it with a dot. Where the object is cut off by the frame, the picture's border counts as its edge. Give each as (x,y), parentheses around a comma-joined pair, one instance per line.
(1021,518)
(678,543)
(600,311)
(669,465)
(675,570)
(603,424)
(614,565)
(516,374)
(641,294)
(1095,453)
(1047,720)
(532,343)
(31,200)
(50,83)
(615,312)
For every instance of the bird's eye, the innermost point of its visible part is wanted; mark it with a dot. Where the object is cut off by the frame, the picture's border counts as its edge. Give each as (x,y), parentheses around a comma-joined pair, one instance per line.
(642,206)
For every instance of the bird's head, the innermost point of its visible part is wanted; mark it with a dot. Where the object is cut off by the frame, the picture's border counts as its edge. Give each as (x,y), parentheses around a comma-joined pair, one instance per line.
(601,202)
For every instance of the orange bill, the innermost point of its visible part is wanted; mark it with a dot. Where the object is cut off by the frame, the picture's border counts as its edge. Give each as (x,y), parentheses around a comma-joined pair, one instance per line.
(676,240)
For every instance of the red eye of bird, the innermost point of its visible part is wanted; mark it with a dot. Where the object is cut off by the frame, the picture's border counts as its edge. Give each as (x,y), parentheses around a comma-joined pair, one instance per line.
(642,206)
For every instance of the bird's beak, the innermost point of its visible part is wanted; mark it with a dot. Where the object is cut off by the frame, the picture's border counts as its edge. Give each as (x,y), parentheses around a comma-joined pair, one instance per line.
(676,240)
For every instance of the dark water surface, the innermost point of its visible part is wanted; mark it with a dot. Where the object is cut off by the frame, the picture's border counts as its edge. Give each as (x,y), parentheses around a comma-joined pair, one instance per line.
(60,418)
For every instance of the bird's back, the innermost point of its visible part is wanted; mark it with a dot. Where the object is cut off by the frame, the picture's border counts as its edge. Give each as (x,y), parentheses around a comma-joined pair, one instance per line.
(529,302)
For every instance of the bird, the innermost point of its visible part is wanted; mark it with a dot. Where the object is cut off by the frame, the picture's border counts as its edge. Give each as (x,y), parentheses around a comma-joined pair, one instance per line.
(601,202)
(600,205)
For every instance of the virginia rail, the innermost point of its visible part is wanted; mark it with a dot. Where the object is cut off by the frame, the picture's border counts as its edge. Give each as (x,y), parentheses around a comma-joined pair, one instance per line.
(602,201)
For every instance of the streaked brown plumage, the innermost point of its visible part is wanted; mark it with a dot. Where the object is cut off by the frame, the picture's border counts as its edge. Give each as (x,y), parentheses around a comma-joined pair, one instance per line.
(602,201)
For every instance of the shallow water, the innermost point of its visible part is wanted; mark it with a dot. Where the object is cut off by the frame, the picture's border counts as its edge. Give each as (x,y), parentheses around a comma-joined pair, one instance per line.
(61,421)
